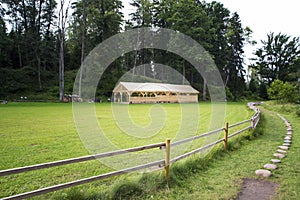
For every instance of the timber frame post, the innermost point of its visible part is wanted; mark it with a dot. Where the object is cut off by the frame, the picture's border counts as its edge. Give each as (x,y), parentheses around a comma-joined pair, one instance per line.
(167,160)
(226,135)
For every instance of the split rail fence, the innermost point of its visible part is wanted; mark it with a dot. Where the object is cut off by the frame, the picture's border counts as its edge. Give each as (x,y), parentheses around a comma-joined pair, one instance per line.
(253,121)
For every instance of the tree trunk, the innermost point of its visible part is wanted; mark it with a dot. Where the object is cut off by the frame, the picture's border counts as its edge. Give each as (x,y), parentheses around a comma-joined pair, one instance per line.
(61,68)
(20,56)
(134,65)
(62,19)
(136,55)
(227,78)
(163,78)
(204,89)
(39,16)
(25,15)
(39,70)
(183,73)
(192,78)
(82,48)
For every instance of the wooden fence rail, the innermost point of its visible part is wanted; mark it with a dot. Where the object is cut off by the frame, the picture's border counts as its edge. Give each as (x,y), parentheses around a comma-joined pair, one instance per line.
(161,163)
(79,159)
(196,137)
(83,181)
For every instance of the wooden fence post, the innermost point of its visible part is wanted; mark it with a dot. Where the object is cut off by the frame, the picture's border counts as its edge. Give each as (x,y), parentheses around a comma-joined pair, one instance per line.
(226,135)
(253,121)
(167,160)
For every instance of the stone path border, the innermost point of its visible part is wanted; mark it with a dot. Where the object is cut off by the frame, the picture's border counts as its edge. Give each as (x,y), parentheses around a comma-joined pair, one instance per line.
(253,189)
(280,153)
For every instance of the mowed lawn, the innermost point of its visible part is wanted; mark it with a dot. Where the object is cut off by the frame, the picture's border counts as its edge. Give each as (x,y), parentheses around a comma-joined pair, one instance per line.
(33,133)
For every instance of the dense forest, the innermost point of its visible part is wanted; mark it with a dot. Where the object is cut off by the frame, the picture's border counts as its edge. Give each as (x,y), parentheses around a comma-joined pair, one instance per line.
(44,42)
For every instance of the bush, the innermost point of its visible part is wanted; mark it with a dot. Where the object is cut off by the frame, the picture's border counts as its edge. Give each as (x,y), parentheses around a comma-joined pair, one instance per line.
(229,95)
(298,111)
(282,92)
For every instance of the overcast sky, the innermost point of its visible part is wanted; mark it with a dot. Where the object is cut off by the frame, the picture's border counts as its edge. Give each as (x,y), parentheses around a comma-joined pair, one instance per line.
(262,16)
(265,16)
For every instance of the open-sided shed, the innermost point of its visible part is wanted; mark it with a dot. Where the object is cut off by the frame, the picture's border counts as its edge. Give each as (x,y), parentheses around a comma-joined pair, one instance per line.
(129,92)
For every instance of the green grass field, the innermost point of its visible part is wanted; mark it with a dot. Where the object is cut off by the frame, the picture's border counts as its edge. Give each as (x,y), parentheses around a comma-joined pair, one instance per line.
(33,133)
(220,177)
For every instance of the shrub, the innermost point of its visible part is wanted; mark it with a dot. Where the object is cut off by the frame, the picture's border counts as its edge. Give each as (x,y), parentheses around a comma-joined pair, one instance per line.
(282,92)
(298,111)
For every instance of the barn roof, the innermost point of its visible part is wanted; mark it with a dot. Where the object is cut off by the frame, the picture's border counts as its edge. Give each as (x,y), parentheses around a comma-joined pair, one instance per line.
(156,87)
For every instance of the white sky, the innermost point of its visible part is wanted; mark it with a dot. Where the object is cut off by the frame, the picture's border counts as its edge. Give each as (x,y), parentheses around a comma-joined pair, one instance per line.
(265,16)
(262,16)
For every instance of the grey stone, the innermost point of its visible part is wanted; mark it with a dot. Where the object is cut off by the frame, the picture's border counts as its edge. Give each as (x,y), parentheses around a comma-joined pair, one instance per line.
(263,172)
(289,129)
(286,144)
(270,166)
(288,138)
(283,147)
(287,141)
(276,161)
(279,155)
(289,132)
(281,151)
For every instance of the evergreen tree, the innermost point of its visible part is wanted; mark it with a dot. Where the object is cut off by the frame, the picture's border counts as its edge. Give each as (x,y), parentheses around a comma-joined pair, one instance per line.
(4,42)
(235,71)
(31,23)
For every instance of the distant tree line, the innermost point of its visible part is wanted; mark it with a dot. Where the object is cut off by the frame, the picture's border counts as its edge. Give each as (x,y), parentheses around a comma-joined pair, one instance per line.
(44,42)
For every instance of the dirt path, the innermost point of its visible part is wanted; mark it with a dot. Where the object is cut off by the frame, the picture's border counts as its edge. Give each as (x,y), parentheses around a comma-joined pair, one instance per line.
(253,189)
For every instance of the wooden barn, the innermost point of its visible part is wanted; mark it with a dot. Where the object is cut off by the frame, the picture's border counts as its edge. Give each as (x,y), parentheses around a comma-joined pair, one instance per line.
(129,92)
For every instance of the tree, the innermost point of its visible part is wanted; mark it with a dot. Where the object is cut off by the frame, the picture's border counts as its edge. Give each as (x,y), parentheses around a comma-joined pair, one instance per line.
(294,72)
(93,21)
(210,24)
(28,19)
(162,11)
(49,53)
(235,71)
(31,27)
(263,91)
(4,41)
(142,17)
(35,48)
(220,17)
(218,44)
(191,18)
(13,8)
(62,20)
(275,60)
